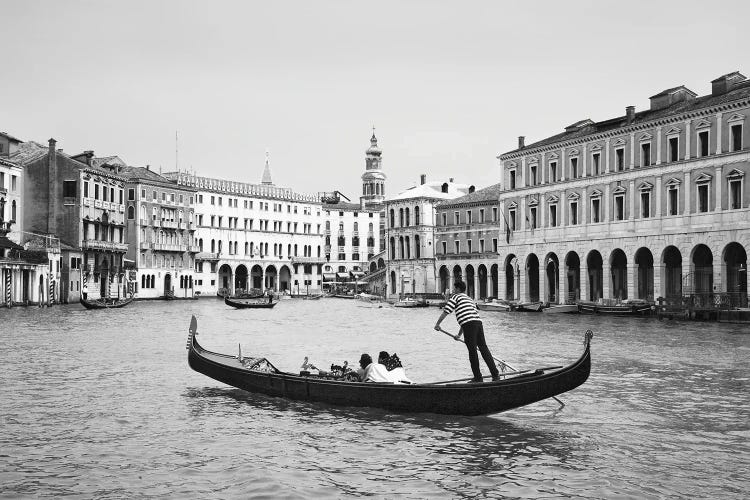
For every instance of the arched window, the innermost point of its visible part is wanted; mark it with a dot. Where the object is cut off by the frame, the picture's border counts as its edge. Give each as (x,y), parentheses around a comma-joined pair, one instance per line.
(408,247)
(200,244)
(131,211)
(213,246)
(247,247)
(295,250)
(393,248)
(416,216)
(289,249)
(143,281)
(356,226)
(341,227)
(318,250)
(143,213)
(401,217)
(417,252)
(393,218)
(328,225)
(401,247)
(407,217)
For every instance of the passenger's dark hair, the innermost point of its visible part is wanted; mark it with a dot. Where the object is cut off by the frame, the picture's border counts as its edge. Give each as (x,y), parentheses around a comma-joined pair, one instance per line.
(384,355)
(460,285)
(365,360)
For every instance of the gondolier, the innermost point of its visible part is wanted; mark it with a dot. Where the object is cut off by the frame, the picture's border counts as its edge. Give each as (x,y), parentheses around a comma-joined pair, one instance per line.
(472,328)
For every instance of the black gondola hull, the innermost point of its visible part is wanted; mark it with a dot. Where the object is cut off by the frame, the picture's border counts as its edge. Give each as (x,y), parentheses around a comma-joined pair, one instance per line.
(96,304)
(249,303)
(451,399)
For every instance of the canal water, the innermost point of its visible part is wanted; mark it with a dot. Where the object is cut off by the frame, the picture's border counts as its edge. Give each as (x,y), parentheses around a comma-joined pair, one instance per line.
(102,404)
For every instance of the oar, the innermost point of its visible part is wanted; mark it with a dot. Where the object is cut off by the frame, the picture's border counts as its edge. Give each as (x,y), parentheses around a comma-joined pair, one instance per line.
(496,360)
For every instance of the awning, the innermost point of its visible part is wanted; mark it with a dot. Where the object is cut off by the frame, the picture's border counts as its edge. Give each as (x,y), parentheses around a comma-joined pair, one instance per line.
(358,274)
(329,277)
(342,275)
(6,243)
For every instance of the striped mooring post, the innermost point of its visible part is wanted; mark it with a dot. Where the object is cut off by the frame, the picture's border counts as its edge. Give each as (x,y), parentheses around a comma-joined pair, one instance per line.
(8,289)
(51,296)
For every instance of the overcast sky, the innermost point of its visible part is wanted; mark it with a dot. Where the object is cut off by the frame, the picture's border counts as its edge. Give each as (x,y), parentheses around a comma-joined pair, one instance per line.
(448,85)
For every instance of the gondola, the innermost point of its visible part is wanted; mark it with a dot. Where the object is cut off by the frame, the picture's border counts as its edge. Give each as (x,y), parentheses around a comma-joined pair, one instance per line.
(495,305)
(249,303)
(622,309)
(527,306)
(258,375)
(312,297)
(105,303)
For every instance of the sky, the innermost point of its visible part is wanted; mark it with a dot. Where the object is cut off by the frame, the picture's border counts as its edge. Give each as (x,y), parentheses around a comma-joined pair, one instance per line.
(448,85)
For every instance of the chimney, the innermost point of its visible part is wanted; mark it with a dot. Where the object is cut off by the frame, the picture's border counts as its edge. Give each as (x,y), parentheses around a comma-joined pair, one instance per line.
(423,179)
(52,190)
(450,180)
(89,156)
(472,189)
(725,83)
(629,114)
(148,167)
(444,187)
(521,141)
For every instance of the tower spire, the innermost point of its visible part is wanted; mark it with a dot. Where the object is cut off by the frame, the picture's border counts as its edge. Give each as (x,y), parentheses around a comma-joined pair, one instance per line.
(266,180)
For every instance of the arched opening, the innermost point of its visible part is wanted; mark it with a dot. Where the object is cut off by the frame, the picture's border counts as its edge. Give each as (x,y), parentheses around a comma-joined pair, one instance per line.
(552,275)
(618,270)
(256,277)
(445,280)
(225,280)
(373,267)
(240,279)
(511,270)
(572,278)
(735,269)
(457,274)
(644,261)
(470,281)
(272,278)
(167,283)
(672,262)
(532,276)
(381,264)
(494,280)
(285,278)
(393,279)
(701,278)
(482,271)
(104,278)
(594,264)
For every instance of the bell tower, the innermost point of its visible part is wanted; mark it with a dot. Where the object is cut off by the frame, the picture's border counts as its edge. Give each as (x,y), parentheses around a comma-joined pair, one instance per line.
(373,180)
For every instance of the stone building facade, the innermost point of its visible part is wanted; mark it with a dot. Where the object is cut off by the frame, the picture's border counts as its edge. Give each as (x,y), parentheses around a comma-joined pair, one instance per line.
(410,226)
(469,231)
(648,204)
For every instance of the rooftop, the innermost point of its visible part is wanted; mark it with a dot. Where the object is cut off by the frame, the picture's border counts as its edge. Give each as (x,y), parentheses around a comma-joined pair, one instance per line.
(488,194)
(432,190)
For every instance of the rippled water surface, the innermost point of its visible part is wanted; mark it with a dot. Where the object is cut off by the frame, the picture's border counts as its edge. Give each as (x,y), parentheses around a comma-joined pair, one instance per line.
(103,404)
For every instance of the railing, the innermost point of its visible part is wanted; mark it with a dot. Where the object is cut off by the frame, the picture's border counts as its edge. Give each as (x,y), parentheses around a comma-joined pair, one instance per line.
(168,247)
(169,224)
(104,245)
(145,245)
(717,301)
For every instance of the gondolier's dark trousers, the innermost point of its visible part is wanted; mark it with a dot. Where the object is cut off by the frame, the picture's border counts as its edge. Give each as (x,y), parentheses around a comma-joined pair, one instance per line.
(474,338)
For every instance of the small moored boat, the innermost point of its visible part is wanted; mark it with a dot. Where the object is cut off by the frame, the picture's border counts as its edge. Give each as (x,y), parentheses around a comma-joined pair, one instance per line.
(105,303)
(495,305)
(410,302)
(258,375)
(635,308)
(561,309)
(249,303)
(526,306)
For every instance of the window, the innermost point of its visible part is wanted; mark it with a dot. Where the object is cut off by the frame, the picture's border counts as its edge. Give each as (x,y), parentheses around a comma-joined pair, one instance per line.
(674,149)
(574,168)
(736,137)
(131,212)
(213,201)
(532,217)
(645,204)
(457,246)
(494,245)
(573,213)
(444,218)
(481,246)
(552,171)
(481,215)
(494,214)
(105,192)
(553,216)
(703,197)
(416,215)
(645,154)
(596,210)
(468,246)
(456,218)
(703,143)
(735,193)
(85,189)
(512,219)
(445,247)
(512,178)
(620,159)
(468,217)
(595,162)
(131,194)
(70,189)
(532,175)
(619,207)
(672,197)
(96,191)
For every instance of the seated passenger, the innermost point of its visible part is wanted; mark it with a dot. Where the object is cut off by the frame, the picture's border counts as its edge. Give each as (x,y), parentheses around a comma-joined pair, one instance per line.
(396,372)
(372,372)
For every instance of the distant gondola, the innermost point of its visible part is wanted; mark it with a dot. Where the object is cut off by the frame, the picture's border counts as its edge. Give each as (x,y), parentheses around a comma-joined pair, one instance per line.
(105,303)
(258,375)
(249,303)
(622,309)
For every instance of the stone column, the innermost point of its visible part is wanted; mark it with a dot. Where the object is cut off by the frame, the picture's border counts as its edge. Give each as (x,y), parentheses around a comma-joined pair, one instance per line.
(687,140)
(501,281)
(631,195)
(687,187)
(522,291)
(562,165)
(631,274)
(522,218)
(584,163)
(606,277)
(720,270)
(658,273)
(632,150)
(718,133)
(476,284)
(543,174)
(607,203)
(563,208)
(657,207)
(541,280)
(584,207)
(719,181)
(658,146)
(606,155)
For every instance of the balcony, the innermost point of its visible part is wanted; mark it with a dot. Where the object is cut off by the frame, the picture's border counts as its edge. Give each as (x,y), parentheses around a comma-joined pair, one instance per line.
(108,246)
(156,223)
(182,225)
(169,224)
(145,245)
(143,222)
(168,247)
(194,248)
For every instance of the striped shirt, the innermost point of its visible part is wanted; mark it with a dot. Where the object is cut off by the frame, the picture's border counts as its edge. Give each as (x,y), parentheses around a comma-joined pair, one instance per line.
(464,307)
